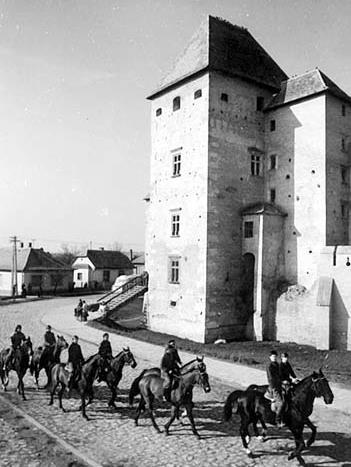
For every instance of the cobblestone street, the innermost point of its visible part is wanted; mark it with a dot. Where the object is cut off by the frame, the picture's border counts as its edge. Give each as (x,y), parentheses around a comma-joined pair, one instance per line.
(111,439)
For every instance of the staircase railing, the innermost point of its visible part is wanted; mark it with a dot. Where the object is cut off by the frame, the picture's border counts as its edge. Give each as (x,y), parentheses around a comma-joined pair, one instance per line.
(141,279)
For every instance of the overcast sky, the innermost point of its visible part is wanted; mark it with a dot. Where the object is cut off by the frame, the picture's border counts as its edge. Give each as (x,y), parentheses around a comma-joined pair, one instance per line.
(74,122)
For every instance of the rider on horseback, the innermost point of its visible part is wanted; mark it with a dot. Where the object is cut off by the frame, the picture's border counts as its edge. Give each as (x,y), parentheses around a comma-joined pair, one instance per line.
(75,357)
(170,367)
(105,350)
(16,340)
(49,337)
(274,392)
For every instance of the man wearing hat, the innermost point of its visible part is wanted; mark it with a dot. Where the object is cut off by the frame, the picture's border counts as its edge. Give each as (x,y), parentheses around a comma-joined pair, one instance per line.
(75,357)
(17,339)
(285,369)
(49,337)
(170,367)
(105,350)
(274,386)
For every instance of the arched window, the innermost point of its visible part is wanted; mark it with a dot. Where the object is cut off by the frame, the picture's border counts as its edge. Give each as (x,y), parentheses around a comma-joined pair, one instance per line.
(176,103)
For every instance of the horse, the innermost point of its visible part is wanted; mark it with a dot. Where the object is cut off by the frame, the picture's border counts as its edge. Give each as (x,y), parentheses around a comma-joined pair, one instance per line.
(151,388)
(62,376)
(113,375)
(19,364)
(45,358)
(252,406)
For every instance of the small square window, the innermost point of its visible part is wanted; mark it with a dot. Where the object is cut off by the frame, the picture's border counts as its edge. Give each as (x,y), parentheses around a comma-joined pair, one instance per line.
(177,160)
(197,94)
(272,195)
(273,162)
(176,103)
(343,110)
(224,97)
(158,112)
(259,103)
(248,229)
(173,269)
(272,125)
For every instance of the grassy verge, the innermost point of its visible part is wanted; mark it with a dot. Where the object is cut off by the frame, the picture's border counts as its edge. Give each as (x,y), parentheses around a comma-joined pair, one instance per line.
(303,358)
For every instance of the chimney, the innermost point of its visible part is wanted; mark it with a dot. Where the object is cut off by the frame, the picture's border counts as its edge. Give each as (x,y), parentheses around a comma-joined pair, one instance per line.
(30,245)
(131,254)
(102,248)
(22,244)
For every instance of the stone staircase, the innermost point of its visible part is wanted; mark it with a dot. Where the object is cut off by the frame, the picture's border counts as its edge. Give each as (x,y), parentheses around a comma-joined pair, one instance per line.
(133,288)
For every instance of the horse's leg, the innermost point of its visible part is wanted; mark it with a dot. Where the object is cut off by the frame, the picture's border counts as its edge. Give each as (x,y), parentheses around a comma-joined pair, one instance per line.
(83,405)
(262,437)
(300,444)
(113,389)
(141,407)
(312,438)
(174,412)
(151,412)
(189,411)
(52,392)
(60,394)
(90,396)
(244,433)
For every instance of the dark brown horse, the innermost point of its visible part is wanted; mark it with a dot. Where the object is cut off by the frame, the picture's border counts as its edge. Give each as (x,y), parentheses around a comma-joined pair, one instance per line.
(46,357)
(61,376)
(151,388)
(252,406)
(113,375)
(19,363)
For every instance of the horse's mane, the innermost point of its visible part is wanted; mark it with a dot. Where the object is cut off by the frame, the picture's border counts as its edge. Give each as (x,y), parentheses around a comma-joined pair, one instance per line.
(188,364)
(89,359)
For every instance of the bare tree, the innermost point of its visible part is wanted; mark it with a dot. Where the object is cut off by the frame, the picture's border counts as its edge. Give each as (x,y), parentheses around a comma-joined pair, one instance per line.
(69,253)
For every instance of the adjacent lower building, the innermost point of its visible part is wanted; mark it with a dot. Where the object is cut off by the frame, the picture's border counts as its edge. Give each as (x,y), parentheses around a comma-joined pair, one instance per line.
(250,181)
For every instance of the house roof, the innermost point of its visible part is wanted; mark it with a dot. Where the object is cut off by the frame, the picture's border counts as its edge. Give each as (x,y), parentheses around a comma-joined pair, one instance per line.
(263,208)
(30,259)
(139,259)
(108,259)
(306,85)
(221,46)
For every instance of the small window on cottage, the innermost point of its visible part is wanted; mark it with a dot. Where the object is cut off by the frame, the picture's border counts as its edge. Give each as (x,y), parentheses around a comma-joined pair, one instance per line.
(272,195)
(224,97)
(272,125)
(259,103)
(79,276)
(344,211)
(106,276)
(343,110)
(176,103)
(343,144)
(174,269)
(177,160)
(344,174)
(158,112)
(248,229)
(198,94)
(175,224)
(255,165)
(273,162)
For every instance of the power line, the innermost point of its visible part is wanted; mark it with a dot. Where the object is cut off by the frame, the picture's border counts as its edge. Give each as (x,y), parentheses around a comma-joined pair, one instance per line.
(14,285)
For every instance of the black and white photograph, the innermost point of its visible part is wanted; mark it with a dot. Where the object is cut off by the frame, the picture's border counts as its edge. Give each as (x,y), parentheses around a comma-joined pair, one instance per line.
(175,233)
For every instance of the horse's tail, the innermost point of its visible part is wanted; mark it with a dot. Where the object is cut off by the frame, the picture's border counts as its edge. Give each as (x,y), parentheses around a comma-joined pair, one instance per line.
(134,389)
(231,404)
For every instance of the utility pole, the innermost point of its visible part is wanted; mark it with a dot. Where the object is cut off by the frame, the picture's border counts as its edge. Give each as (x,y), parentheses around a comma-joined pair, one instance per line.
(14,240)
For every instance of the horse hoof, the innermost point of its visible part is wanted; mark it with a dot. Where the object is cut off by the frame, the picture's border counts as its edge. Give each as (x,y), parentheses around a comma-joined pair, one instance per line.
(291,456)
(248,452)
(247,439)
(262,438)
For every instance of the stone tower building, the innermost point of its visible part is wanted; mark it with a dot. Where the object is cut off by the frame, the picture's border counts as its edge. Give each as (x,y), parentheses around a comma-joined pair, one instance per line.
(249,181)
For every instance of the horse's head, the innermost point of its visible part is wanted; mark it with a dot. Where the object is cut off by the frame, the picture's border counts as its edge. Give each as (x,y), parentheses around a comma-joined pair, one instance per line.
(321,387)
(61,342)
(129,357)
(203,379)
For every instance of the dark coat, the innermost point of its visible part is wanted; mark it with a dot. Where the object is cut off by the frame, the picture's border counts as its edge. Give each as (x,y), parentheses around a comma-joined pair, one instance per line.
(75,355)
(286,372)
(273,375)
(49,338)
(17,338)
(170,360)
(105,349)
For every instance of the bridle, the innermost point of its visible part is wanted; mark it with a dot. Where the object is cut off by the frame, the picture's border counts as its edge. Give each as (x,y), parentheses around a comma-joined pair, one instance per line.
(314,385)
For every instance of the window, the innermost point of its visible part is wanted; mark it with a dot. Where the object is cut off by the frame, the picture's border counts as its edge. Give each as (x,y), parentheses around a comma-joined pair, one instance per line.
(106,276)
(175,225)
(344,174)
(197,94)
(255,164)
(158,112)
(343,144)
(272,195)
(259,103)
(176,103)
(174,262)
(273,162)
(343,211)
(272,125)
(79,276)
(37,280)
(177,158)
(248,229)
(224,97)
(343,110)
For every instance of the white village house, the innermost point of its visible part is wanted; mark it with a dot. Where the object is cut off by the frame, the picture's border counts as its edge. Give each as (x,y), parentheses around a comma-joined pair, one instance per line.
(100,268)
(36,268)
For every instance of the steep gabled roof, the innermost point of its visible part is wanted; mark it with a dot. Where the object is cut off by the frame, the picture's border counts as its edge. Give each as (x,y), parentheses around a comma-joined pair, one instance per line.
(30,259)
(221,46)
(139,259)
(306,85)
(262,208)
(108,259)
